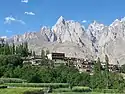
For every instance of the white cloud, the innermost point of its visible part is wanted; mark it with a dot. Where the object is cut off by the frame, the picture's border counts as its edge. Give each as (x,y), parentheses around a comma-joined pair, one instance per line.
(29,13)
(21,21)
(3,37)
(24,1)
(8,31)
(10,19)
(84,21)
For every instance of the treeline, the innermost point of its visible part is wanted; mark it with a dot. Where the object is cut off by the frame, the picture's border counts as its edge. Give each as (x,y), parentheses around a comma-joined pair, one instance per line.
(6,49)
(102,78)
(22,49)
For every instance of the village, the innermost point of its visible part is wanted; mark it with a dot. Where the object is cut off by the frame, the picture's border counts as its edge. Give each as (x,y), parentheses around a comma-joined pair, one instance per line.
(83,65)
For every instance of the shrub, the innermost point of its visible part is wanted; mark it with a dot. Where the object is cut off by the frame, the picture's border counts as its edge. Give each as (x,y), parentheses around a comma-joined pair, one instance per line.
(11,80)
(81,89)
(53,85)
(34,92)
(62,90)
(107,90)
(1,87)
(1,81)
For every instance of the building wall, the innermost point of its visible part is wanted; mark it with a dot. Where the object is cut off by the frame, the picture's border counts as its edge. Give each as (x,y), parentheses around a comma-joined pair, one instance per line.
(58,62)
(49,56)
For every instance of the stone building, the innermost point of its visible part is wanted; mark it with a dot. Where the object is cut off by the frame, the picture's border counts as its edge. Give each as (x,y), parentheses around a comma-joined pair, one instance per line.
(57,58)
(32,60)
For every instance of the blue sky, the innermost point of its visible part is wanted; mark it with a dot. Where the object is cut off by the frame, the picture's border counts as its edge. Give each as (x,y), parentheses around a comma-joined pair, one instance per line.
(17,17)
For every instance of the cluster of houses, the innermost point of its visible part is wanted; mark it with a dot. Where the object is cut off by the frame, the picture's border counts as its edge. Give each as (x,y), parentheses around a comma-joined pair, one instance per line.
(32,60)
(83,65)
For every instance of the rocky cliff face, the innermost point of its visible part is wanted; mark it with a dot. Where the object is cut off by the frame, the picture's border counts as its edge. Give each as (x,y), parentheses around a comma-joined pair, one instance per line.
(109,40)
(72,38)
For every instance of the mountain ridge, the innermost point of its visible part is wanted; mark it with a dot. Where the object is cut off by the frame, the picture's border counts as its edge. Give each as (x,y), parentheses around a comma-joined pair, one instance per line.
(72,38)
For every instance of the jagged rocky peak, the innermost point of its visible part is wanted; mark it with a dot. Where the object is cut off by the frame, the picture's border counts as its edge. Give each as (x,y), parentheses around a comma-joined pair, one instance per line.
(95,30)
(95,26)
(115,23)
(48,34)
(45,30)
(117,28)
(68,30)
(60,20)
(29,35)
(118,22)
(123,19)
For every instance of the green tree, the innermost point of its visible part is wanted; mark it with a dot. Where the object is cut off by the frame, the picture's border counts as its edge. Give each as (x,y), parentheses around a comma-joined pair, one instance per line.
(7,49)
(31,53)
(47,52)
(25,49)
(12,49)
(2,42)
(123,68)
(97,67)
(43,54)
(107,63)
(22,49)
(107,70)
(34,54)
(8,64)
(96,79)
(30,73)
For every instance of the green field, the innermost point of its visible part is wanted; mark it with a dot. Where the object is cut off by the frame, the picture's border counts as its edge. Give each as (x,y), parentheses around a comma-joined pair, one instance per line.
(57,88)
(78,93)
(21,90)
(18,90)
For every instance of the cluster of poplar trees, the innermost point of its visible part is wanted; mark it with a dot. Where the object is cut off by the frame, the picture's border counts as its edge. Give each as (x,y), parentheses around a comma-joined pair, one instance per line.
(12,49)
